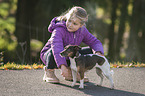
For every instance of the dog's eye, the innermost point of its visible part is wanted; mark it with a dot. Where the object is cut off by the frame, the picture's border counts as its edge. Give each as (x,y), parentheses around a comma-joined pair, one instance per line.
(65,47)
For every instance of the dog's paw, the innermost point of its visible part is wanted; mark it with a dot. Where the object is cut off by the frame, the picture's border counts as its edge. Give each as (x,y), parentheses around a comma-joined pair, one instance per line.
(73,84)
(81,87)
(99,85)
(112,88)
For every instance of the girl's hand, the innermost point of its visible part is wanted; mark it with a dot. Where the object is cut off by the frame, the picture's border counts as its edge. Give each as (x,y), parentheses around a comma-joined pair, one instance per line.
(64,71)
(99,53)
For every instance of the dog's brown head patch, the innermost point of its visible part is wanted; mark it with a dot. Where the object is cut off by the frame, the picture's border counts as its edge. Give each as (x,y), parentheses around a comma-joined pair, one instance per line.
(70,51)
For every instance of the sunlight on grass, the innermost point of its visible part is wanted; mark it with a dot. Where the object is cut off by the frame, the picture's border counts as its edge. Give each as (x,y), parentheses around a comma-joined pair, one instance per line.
(13,66)
(126,65)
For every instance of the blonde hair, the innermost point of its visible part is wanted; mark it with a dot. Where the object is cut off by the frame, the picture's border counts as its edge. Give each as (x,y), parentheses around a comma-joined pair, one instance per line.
(76,11)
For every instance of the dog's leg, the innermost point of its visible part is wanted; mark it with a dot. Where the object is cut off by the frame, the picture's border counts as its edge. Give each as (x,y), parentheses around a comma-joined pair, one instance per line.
(74,71)
(82,79)
(81,84)
(111,81)
(99,72)
(74,74)
(108,76)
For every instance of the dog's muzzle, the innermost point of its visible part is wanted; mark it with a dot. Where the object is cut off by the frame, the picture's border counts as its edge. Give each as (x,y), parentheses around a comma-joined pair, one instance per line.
(63,54)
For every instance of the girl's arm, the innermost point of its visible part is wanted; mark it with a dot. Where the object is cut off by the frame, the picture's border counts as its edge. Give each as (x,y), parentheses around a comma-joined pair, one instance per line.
(57,46)
(92,41)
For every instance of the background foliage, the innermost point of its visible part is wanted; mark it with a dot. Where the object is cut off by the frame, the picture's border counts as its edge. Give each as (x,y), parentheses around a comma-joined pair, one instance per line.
(119,24)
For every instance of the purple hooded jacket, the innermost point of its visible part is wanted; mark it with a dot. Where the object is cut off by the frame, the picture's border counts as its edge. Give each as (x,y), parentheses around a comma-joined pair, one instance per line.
(61,37)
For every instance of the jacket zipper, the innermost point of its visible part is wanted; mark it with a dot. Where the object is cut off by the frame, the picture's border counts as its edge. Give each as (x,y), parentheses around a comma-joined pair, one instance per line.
(74,37)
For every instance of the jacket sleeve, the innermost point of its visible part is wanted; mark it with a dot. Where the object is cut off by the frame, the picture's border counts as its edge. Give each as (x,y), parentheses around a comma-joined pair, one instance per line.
(45,48)
(57,46)
(92,41)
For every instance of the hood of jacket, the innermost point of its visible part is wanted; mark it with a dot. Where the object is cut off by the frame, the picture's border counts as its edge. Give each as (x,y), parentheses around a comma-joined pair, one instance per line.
(54,24)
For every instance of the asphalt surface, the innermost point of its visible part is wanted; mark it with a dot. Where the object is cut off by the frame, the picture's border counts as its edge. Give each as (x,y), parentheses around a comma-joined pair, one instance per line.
(128,82)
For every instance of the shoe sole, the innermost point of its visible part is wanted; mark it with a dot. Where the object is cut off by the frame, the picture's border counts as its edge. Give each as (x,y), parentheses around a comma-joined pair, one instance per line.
(51,82)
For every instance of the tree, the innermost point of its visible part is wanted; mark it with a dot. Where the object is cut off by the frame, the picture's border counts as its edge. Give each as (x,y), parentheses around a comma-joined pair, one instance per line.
(24,17)
(111,32)
(135,51)
(142,32)
(121,30)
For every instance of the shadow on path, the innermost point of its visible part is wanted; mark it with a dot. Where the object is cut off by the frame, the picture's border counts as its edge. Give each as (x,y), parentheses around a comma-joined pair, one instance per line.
(94,90)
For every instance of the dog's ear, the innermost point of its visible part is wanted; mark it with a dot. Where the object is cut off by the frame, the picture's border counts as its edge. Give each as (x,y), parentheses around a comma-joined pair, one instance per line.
(77,47)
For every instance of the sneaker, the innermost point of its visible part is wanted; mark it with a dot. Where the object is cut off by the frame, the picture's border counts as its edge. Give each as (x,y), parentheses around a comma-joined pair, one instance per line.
(49,76)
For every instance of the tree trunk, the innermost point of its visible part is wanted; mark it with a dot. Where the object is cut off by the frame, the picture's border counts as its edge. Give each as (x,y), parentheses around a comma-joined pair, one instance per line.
(24,16)
(111,30)
(123,18)
(142,32)
(133,53)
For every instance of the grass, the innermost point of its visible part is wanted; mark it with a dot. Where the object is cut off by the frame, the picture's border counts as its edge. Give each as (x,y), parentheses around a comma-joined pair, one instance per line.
(126,65)
(13,66)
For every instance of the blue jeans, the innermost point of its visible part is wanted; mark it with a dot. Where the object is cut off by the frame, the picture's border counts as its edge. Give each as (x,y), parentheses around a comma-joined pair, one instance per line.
(51,64)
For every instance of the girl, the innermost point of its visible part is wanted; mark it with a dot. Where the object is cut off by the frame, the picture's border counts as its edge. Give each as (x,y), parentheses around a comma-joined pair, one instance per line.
(67,29)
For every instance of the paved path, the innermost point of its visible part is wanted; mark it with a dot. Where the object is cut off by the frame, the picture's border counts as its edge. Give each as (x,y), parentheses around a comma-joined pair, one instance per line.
(128,82)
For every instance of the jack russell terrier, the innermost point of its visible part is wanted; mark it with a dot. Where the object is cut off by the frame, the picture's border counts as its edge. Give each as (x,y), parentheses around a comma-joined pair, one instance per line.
(82,63)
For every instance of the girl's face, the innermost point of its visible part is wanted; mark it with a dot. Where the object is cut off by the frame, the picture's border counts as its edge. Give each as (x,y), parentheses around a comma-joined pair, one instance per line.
(73,24)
